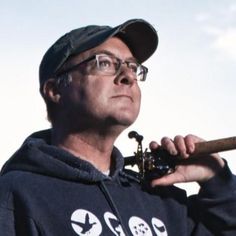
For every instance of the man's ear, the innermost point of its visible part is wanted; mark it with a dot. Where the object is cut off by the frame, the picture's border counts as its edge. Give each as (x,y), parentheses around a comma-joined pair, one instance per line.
(51,91)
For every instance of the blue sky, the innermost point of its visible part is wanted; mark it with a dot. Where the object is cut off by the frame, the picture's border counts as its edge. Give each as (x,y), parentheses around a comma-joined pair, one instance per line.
(191,82)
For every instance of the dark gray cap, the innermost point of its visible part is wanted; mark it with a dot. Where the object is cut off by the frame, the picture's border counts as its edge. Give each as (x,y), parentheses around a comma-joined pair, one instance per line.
(138,35)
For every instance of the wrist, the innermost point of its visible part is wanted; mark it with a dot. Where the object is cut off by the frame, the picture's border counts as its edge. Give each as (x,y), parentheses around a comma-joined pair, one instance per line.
(214,167)
(220,181)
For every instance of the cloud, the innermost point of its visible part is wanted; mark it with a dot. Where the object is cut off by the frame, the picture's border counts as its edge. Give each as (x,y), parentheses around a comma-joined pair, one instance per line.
(226,42)
(223,40)
(232,8)
(220,26)
(202,17)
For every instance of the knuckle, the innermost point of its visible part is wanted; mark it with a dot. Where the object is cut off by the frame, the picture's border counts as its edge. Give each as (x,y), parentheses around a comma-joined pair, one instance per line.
(178,138)
(153,145)
(165,140)
(193,138)
(189,138)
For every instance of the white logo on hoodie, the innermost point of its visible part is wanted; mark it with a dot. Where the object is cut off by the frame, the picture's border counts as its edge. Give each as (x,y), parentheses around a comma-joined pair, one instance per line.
(159,227)
(85,223)
(139,227)
(113,223)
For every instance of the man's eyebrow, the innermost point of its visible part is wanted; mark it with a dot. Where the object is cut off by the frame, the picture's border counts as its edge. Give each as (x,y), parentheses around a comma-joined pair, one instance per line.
(112,54)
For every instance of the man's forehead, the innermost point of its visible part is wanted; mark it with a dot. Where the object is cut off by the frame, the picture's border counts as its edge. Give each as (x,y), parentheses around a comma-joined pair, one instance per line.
(113,46)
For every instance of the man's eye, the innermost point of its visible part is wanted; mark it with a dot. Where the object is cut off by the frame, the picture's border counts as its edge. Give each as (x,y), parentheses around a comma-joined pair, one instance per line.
(133,67)
(105,63)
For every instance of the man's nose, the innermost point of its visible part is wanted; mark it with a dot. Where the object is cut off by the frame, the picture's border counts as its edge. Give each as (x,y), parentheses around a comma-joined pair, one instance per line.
(125,76)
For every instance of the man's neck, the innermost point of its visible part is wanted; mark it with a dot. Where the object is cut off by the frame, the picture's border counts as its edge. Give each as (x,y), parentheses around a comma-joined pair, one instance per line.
(95,148)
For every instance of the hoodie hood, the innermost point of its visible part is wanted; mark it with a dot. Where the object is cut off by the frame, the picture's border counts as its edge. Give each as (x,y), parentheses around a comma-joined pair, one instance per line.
(38,156)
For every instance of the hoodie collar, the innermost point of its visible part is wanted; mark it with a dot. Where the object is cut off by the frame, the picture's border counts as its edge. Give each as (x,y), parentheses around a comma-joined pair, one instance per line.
(37,155)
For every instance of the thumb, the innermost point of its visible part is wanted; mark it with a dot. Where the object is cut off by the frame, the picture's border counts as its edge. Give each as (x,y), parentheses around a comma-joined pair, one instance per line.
(168,179)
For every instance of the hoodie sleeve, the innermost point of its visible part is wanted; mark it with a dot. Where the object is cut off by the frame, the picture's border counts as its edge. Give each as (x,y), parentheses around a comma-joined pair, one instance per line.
(12,224)
(214,208)
(7,222)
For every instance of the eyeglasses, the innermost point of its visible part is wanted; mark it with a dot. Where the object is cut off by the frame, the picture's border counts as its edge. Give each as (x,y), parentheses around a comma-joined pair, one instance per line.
(104,64)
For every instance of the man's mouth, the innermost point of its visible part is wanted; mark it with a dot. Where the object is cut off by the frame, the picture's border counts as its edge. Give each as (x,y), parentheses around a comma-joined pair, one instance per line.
(123,96)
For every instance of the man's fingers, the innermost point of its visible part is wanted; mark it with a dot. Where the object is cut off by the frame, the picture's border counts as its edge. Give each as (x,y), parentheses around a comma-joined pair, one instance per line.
(153,145)
(169,145)
(181,146)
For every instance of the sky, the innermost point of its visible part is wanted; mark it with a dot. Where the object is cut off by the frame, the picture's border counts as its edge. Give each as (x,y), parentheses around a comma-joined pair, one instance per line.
(191,83)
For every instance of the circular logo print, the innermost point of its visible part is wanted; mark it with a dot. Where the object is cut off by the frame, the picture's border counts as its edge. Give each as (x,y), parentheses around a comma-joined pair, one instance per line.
(159,227)
(113,224)
(85,223)
(139,227)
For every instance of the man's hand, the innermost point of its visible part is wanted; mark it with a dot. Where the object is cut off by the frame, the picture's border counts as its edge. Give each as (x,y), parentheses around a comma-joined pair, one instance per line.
(197,169)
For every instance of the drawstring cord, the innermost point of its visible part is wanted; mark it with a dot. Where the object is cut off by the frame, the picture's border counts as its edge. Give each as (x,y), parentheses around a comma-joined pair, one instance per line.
(112,204)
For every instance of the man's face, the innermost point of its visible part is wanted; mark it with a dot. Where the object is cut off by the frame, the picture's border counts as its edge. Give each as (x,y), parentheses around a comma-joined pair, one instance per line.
(93,98)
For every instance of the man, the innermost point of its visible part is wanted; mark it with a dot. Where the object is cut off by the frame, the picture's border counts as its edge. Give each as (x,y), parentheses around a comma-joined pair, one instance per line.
(69,180)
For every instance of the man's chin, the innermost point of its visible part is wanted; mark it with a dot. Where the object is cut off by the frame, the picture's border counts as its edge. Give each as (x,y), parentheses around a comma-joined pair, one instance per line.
(122,121)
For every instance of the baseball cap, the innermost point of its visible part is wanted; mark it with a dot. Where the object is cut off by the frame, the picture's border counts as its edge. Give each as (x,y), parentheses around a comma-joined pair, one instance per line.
(140,36)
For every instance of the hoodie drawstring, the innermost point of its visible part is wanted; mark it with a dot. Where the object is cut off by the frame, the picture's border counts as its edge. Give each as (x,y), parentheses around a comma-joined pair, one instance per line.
(112,204)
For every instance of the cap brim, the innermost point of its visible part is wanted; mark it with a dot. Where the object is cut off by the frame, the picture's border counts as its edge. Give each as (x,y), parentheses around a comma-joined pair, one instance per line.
(140,37)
